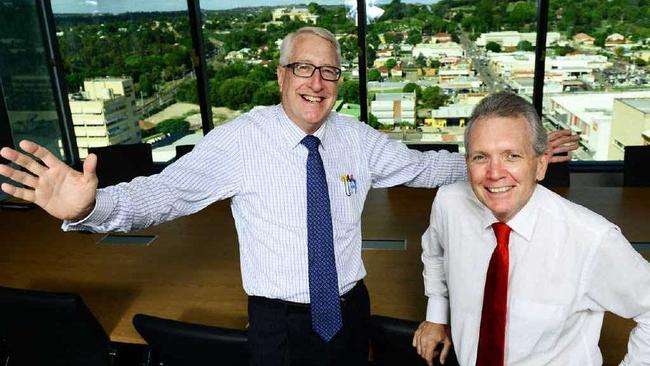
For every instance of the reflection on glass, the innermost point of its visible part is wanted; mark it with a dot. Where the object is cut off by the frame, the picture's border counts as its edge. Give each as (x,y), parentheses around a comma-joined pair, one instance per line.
(430,64)
(128,68)
(25,78)
(597,75)
(242,44)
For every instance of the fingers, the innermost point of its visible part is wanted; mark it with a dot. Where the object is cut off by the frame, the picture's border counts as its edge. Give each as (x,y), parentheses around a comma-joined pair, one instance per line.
(90,165)
(445,350)
(23,161)
(22,193)
(18,176)
(559,159)
(40,152)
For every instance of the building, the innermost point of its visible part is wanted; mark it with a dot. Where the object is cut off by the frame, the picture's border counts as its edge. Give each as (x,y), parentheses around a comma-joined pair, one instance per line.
(438,50)
(394,108)
(630,120)
(296,14)
(590,115)
(103,114)
(510,39)
(583,39)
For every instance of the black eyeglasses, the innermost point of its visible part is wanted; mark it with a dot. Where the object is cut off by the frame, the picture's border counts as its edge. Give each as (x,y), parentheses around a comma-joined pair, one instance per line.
(305,70)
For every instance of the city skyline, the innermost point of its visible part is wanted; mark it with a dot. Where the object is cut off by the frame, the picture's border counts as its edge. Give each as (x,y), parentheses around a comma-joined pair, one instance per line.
(123,6)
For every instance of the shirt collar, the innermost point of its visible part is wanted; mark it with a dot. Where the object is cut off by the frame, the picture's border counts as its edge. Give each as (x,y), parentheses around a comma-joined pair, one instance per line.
(523,223)
(295,134)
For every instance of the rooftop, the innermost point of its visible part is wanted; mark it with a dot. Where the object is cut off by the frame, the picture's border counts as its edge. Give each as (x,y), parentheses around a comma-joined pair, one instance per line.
(642,104)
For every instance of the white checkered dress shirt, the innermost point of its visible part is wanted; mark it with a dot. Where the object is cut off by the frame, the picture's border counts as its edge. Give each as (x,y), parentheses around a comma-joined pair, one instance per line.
(257,159)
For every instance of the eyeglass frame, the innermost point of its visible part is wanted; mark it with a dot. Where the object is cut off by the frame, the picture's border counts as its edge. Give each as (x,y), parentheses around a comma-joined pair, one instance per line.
(293,65)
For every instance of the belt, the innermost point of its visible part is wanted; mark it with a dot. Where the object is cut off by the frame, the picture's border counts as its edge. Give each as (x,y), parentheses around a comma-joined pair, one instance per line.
(306,307)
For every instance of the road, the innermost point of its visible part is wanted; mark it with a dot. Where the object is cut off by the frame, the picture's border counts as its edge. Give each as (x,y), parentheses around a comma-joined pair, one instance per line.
(491,81)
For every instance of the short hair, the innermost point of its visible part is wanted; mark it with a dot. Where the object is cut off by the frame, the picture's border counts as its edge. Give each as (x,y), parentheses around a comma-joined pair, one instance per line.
(505,104)
(287,42)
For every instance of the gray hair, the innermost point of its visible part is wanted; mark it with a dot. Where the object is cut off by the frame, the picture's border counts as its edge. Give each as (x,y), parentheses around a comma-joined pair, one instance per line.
(287,42)
(504,104)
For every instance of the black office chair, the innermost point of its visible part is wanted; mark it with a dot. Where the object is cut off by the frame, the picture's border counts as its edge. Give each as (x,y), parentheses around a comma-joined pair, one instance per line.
(557,175)
(182,150)
(391,341)
(434,147)
(48,328)
(636,166)
(176,343)
(122,163)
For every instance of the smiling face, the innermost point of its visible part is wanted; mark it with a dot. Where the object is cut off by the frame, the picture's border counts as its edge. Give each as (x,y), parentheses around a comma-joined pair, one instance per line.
(308,101)
(502,166)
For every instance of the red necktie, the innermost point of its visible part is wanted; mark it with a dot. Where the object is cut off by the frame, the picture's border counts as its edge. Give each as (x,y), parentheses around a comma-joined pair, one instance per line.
(492,339)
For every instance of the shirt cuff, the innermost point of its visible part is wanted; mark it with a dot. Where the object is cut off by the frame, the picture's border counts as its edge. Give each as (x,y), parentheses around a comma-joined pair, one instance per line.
(100,213)
(438,310)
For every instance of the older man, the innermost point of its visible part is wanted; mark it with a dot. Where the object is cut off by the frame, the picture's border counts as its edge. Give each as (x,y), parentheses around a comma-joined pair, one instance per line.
(297,219)
(522,275)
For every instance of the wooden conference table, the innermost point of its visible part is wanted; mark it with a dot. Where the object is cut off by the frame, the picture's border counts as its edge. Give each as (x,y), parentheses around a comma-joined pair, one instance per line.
(191,271)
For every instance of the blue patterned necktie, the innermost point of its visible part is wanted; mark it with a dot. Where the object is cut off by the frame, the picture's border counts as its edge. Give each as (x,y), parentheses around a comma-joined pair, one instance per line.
(326,317)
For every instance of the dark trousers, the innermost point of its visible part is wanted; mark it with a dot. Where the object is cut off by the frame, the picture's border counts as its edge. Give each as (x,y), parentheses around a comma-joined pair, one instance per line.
(280,333)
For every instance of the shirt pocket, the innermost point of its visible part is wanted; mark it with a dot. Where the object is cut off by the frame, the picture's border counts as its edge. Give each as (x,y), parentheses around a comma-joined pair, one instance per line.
(533,327)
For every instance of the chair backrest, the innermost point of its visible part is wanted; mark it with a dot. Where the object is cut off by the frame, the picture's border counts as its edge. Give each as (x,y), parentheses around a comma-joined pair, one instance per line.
(636,166)
(434,147)
(391,342)
(175,343)
(182,150)
(48,328)
(557,175)
(122,163)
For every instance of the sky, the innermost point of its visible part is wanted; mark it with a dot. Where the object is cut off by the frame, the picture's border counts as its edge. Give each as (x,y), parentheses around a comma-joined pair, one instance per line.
(122,6)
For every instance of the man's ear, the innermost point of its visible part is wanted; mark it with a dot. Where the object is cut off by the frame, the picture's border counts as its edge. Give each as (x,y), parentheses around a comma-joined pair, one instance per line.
(279,71)
(542,164)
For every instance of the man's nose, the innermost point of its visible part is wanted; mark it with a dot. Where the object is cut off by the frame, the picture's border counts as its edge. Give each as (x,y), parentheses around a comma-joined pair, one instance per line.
(495,169)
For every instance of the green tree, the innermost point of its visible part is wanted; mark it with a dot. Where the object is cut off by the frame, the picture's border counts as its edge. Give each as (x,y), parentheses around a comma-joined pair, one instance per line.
(268,94)
(414,37)
(374,75)
(187,93)
(493,46)
(374,122)
(421,61)
(390,63)
(349,91)
(173,126)
(525,46)
(433,98)
(410,87)
(237,93)
(640,62)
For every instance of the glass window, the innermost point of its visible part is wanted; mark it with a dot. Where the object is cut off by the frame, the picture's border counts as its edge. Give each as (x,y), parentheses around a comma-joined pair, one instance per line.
(243,48)
(128,68)
(597,78)
(25,79)
(430,64)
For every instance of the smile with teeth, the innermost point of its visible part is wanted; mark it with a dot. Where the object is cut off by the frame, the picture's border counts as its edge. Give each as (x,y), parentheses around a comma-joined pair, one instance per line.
(499,189)
(312,99)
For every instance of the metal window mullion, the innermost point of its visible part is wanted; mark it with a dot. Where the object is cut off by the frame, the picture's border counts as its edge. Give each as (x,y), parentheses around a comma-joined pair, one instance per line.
(199,64)
(363,60)
(540,55)
(69,140)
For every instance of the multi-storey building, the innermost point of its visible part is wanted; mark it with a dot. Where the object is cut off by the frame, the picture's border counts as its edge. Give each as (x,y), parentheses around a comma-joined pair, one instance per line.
(630,125)
(104,114)
(394,108)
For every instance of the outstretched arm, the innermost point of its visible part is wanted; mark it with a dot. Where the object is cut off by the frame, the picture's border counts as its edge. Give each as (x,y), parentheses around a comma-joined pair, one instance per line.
(559,142)
(60,190)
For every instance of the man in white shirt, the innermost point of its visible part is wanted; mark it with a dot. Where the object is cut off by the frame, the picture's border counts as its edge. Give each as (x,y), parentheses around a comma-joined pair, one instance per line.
(265,160)
(537,295)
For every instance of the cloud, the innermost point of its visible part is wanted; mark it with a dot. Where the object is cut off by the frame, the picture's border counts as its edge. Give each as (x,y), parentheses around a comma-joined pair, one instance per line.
(91,2)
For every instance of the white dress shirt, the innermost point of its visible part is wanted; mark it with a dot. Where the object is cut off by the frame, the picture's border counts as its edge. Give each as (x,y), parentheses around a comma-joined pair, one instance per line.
(568,266)
(257,159)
